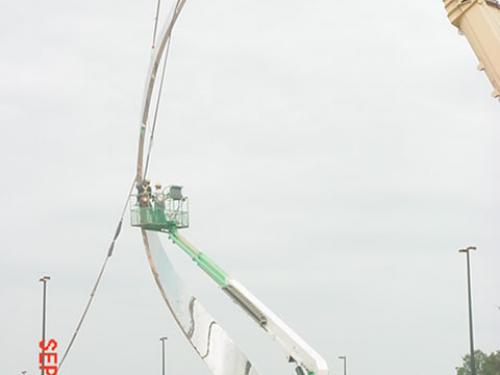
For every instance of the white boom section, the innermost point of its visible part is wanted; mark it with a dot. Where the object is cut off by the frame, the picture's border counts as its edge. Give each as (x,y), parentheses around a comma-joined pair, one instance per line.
(293,344)
(295,347)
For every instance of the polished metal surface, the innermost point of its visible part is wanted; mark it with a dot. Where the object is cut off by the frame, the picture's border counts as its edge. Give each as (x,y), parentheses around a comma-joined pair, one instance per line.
(206,336)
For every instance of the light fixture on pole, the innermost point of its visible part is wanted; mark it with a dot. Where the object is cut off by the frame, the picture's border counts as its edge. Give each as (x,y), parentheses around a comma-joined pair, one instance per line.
(163,339)
(469,292)
(344,358)
(44,280)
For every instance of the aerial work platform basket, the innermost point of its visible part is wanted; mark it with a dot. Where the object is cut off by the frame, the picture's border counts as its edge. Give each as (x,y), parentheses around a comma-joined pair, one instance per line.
(165,210)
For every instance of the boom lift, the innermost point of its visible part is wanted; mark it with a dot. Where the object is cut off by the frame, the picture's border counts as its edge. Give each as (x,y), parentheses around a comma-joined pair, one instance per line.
(479,21)
(167,212)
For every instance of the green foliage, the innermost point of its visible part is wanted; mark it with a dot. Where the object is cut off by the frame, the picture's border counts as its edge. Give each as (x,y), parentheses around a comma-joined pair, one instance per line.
(485,364)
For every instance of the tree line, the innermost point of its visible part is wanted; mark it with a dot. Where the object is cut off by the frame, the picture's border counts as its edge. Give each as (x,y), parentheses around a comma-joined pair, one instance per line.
(486,364)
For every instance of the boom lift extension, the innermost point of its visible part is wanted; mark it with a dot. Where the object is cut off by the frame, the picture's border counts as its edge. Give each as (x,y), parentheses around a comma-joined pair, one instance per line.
(479,21)
(172,214)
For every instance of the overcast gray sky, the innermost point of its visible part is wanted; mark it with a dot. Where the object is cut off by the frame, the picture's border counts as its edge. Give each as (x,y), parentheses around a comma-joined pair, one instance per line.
(336,154)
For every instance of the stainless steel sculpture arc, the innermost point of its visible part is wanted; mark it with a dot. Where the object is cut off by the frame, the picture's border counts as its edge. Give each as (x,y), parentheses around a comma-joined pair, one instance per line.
(154,65)
(206,336)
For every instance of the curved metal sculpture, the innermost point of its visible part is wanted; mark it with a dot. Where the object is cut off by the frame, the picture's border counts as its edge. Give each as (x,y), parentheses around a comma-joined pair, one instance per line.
(207,337)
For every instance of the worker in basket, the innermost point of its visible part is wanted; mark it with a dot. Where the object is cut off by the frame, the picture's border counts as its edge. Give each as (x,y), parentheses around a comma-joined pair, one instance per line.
(159,199)
(144,194)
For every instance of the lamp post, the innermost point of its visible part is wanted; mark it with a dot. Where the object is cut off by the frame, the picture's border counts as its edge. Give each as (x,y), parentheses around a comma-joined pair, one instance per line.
(469,291)
(344,358)
(44,280)
(163,339)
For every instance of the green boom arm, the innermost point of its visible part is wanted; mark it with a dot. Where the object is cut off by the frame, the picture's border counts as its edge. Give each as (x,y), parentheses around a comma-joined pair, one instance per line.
(202,260)
(297,349)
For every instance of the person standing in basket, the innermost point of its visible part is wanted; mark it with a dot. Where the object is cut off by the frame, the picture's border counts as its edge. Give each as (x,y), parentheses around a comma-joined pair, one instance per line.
(159,204)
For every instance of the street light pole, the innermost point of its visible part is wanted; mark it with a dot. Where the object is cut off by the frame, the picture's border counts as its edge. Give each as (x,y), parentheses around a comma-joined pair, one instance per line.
(344,358)
(469,291)
(44,280)
(163,339)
